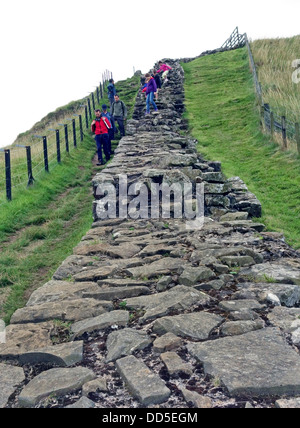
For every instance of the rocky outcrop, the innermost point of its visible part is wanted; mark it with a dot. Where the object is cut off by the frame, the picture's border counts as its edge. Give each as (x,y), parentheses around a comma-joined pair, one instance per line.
(162,310)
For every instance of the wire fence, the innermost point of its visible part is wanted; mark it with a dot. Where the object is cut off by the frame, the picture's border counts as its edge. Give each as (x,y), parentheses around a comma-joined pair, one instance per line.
(282,130)
(23,164)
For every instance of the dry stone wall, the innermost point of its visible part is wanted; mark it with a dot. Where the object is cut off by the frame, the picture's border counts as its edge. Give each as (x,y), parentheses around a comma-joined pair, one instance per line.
(148,312)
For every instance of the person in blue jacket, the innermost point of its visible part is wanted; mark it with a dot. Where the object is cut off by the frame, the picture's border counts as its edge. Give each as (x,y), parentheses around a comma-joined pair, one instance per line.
(111,132)
(111,91)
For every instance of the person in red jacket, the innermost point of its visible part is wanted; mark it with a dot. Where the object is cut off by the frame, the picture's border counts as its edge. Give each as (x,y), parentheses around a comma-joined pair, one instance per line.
(100,127)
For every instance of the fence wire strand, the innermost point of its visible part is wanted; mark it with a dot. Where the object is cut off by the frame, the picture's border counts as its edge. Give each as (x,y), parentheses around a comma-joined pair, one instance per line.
(18,168)
(290,130)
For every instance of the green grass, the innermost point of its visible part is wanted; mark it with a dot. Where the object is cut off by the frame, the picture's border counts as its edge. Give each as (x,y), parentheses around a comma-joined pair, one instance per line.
(41,225)
(223,116)
(273,59)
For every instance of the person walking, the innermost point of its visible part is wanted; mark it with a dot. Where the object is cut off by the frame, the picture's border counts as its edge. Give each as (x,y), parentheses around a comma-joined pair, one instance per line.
(164,68)
(157,79)
(119,112)
(111,131)
(100,127)
(150,91)
(111,91)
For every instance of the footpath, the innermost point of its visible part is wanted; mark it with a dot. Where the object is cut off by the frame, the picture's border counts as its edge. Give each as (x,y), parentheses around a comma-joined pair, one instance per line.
(150,313)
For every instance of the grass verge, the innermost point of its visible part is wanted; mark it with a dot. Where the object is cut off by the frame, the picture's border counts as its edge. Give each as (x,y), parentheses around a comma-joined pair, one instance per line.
(223,117)
(41,226)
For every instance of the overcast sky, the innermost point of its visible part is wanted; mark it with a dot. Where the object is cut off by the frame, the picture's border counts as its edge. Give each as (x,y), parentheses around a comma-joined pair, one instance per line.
(54,52)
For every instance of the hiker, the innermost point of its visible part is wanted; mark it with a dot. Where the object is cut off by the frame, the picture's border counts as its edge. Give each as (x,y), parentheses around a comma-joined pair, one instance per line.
(165,68)
(119,112)
(111,91)
(157,79)
(150,91)
(111,131)
(100,127)
(143,80)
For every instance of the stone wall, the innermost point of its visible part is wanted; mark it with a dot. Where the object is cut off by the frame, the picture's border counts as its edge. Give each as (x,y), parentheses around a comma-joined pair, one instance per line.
(149,312)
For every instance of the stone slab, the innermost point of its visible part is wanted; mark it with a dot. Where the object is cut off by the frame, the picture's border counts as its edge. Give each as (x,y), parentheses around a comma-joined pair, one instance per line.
(54,291)
(160,304)
(117,251)
(175,365)
(199,401)
(54,382)
(82,403)
(259,363)
(278,272)
(288,319)
(288,294)
(293,403)
(10,378)
(113,293)
(69,310)
(63,355)
(234,328)
(21,338)
(197,325)
(118,318)
(96,274)
(193,275)
(125,342)
(164,266)
(120,282)
(142,383)
(239,305)
(167,342)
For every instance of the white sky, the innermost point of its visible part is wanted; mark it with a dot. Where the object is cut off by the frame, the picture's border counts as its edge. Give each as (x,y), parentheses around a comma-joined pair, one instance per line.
(54,52)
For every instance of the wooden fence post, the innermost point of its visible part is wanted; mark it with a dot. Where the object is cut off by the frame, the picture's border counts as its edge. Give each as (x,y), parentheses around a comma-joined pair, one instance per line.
(45,146)
(86,117)
(90,110)
(8,174)
(93,101)
(272,124)
(29,166)
(80,127)
(262,114)
(74,132)
(283,124)
(67,138)
(58,145)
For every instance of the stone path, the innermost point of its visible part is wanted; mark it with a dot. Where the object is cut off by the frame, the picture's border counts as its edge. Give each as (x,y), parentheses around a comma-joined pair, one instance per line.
(148,312)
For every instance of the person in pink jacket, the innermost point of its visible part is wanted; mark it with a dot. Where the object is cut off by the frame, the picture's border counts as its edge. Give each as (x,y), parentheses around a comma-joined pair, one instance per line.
(165,68)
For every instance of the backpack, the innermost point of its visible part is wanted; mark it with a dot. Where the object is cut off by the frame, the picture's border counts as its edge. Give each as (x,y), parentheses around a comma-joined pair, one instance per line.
(122,104)
(110,89)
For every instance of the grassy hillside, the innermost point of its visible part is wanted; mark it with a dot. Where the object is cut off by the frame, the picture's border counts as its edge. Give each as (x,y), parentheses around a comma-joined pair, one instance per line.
(222,113)
(43,224)
(274,58)
(46,127)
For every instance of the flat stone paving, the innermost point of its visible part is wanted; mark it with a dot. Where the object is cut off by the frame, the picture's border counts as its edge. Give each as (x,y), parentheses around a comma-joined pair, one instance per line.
(258,363)
(161,312)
